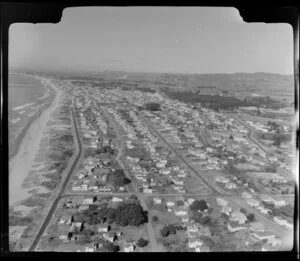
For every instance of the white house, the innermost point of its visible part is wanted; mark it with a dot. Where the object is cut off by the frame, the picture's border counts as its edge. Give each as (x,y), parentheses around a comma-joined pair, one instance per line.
(252,202)
(116,199)
(222,202)
(195,242)
(128,247)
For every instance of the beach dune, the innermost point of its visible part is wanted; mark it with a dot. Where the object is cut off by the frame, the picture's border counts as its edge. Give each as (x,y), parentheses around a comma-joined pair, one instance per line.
(21,164)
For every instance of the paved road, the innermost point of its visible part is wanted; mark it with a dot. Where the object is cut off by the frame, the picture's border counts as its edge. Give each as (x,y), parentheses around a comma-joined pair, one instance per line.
(152,238)
(105,194)
(64,185)
(179,156)
(284,172)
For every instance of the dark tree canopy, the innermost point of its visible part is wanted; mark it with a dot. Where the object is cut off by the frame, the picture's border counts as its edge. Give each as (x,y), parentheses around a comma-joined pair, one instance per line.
(142,242)
(118,178)
(199,205)
(152,106)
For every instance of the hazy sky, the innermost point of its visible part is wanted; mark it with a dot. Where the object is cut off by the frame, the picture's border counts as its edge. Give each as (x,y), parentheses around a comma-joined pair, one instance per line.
(153,39)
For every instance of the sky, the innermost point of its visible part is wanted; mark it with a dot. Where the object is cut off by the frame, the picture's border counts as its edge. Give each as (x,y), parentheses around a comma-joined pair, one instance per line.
(152,39)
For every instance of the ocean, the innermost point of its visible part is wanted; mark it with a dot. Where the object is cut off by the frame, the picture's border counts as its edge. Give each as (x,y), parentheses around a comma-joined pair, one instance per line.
(26,97)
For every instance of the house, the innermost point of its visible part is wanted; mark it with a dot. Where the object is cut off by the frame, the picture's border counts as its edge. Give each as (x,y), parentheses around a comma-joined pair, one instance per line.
(170,203)
(195,242)
(263,235)
(157,200)
(246,195)
(180,212)
(76,226)
(89,249)
(128,247)
(66,219)
(185,218)
(230,185)
(222,179)
(263,210)
(202,249)
(102,228)
(190,200)
(192,234)
(238,217)
(116,199)
(147,190)
(234,228)
(63,237)
(222,202)
(279,202)
(191,228)
(266,198)
(109,237)
(252,202)
(83,207)
(226,210)
(283,222)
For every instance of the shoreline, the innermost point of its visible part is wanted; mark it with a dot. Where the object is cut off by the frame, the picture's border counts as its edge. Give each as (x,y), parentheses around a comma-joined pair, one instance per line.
(26,148)
(13,150)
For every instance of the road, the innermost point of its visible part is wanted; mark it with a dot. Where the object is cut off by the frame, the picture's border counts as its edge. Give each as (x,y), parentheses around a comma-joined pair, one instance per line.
(279,170)
(178,155)
(62,190)
(152,238)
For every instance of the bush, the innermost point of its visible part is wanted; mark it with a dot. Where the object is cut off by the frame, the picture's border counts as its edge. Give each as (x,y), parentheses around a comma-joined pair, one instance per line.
(243,210)
(110,246)
(155,218)
(152,106)
(142,242)
(251,217)
(164,232)
(118,178)
(167,230)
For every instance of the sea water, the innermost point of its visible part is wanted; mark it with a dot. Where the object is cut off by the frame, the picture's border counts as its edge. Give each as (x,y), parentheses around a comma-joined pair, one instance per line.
(24,93)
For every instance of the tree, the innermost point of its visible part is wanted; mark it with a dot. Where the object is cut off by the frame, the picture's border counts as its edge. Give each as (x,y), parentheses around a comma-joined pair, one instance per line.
(142,242)
(251,217)
(199,205)
(243,210)
(155,218)
(231,137)
(118,178)
(110,246)
(152,106)
(164,232)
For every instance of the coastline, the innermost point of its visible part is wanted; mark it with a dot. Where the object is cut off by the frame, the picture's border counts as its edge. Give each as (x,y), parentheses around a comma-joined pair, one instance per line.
(26,148)
(13,149)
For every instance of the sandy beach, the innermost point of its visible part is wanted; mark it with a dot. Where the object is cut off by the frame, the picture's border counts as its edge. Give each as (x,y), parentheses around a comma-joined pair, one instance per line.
(21,164)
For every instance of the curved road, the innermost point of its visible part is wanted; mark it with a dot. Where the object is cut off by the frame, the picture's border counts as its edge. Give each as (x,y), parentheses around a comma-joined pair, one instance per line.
(64,185)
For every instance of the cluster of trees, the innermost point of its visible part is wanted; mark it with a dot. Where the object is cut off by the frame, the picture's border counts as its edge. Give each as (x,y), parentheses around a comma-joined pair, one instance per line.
(110,246)
(286,211)
(139,152)
(124,214)
(118,178)
(203,220)
(170,230)
(199,205)
(145,89)
(105,149)
(250,216)
(217,102)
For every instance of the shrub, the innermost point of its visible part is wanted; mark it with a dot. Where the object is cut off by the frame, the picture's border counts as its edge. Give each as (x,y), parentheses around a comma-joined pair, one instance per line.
(251,217)
(142,242)
(155,218)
